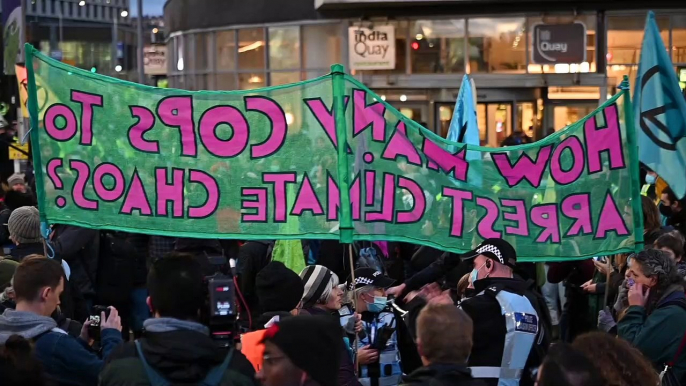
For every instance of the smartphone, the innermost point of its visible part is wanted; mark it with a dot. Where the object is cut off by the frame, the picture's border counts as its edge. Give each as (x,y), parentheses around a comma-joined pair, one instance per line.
(94,318)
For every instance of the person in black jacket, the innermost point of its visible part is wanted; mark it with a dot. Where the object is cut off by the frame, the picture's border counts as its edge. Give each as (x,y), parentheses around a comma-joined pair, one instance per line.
(253,256)
(524,333)
(674,210)
(444,340)
(174,345)
(279,291)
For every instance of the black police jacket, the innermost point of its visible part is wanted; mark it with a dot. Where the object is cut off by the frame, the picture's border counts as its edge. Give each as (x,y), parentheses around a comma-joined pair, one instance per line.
(489,324)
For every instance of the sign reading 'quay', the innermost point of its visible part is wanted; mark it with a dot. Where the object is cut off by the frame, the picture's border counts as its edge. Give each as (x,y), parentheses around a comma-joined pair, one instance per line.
(559,43)
(372,49)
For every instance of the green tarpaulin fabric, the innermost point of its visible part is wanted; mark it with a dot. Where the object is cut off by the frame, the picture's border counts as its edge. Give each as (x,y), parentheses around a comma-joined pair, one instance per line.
(321,159)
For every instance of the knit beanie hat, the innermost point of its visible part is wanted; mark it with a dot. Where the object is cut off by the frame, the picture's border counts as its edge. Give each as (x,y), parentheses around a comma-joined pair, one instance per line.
(316,281)
(15,179)
(278,288)
(24,225)
(320,357)
(7,268)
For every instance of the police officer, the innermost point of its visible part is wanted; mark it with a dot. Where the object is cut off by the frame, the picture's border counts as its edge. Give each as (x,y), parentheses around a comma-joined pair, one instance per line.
(511,320)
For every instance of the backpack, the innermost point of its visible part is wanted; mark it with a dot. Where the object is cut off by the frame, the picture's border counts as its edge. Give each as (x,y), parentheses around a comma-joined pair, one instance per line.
(116,267)
(214,377)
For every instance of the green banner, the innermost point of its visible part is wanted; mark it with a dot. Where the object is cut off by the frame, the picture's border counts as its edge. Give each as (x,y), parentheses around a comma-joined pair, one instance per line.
(325,158)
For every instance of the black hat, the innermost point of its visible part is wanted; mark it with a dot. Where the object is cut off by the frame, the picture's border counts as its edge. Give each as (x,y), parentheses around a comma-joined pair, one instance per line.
(369,276)
(495,249)
(278,288)
(320,357)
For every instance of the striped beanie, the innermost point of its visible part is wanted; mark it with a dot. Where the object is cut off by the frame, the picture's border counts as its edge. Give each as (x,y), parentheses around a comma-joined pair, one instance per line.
(24,225)
(316,280)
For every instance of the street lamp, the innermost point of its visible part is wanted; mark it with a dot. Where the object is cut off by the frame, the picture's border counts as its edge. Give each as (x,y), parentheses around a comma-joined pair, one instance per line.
(82,3)
(118,68)
(124,13)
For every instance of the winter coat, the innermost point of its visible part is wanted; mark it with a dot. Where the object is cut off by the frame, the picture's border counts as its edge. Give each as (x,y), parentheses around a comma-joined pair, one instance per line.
(80,248)
(252,257)
(576,311)
(22,250)
(182,352)
(658,333)
(346,374)
(440,374)
(65,360)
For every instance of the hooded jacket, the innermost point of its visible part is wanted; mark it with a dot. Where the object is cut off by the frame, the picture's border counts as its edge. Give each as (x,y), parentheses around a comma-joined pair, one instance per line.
(658,333)
(440,374)
(65,360)
(180,351)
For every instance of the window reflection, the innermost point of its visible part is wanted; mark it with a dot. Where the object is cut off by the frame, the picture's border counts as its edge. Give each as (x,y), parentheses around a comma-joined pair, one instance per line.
(284,48)
(226,82)
(251,48)
(497,45)
(251,81)
(625,36)
(281,78)
(437,46)
(679,39)
(321,45)
(226,50)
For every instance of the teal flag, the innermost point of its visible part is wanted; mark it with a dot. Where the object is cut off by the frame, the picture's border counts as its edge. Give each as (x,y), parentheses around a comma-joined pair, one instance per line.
(660,111)
(464,127)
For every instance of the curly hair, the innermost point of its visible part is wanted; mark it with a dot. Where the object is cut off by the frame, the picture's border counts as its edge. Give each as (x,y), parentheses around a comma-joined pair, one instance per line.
(618,362)
(656,263)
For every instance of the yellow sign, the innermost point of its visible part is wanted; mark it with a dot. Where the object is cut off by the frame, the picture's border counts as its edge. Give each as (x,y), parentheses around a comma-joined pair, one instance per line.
(23,91)
(16,154)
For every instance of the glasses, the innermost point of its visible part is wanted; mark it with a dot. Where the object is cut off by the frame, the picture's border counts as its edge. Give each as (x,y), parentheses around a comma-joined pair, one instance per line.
(271,360)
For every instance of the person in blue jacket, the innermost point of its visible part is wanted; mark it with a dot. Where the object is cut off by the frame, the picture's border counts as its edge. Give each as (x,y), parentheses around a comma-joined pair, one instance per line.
(38,283)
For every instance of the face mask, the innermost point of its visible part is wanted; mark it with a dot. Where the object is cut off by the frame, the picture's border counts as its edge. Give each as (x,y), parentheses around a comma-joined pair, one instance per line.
(378,305)
(665,210)
(475,273)
(650,179)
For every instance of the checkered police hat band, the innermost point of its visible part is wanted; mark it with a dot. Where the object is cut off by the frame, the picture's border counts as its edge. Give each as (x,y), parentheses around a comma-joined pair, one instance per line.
(493,250)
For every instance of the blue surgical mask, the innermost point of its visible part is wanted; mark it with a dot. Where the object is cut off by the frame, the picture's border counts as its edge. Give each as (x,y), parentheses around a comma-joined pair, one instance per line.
(378,305)
(650,179)
(475,273)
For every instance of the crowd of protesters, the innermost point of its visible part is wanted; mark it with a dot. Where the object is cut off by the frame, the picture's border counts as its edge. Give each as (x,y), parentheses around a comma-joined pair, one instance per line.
(87,307)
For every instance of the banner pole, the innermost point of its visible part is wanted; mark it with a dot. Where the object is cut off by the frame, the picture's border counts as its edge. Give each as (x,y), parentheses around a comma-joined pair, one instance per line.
(633,166)
(338,89)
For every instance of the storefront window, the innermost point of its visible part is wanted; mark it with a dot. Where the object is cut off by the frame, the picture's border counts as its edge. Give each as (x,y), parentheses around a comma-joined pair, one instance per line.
(251,54)
(203,49)
(284,48)
(321,45)
(251,81)
(226,50)
(281,78)
(437,46)
(589,65)
(497,45)
(615,75)
(566,115)
(625,36)
(225,82)
(679,39)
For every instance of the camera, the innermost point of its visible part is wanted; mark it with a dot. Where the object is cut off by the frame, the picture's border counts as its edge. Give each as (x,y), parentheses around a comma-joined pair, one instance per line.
(94,318)
(220,312)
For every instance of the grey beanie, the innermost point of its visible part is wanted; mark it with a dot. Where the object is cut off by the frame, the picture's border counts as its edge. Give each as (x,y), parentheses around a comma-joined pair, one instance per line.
(24,225)
(15,179)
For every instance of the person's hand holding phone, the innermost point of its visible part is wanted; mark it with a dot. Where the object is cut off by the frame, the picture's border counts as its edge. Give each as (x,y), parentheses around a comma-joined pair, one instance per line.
(84,331)
(638,295)
(112,321)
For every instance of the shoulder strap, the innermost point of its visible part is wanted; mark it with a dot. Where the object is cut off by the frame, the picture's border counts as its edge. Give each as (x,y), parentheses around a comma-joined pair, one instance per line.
(153,376)
(216,374)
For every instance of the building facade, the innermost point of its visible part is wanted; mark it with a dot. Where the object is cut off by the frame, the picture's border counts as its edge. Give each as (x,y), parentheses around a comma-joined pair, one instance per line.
(414,53)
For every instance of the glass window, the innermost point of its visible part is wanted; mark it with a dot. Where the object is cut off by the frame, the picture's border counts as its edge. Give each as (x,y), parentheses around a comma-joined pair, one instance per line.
(589,65)
(280,78)
(615,74)
(203,49)
(497,45)
(226,50)
(225,82)
(625,36)
(251,48)
(321,45)
(679,39)
(250,81)
(437,46)
(188,53)
(284,48)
